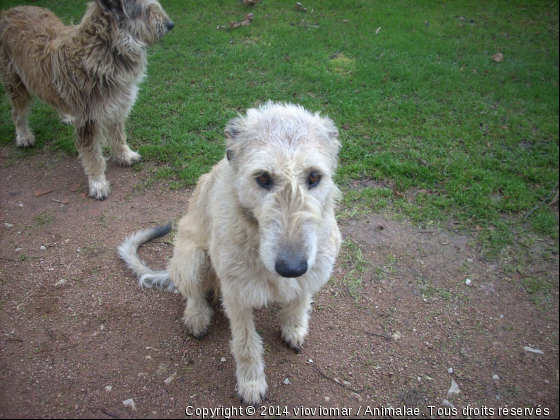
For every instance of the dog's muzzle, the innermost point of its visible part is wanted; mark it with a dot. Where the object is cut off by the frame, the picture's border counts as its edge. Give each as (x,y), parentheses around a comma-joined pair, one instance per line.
(291,266)
(170,25)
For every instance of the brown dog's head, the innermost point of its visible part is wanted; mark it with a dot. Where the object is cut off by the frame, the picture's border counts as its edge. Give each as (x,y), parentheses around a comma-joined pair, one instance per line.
(144,20)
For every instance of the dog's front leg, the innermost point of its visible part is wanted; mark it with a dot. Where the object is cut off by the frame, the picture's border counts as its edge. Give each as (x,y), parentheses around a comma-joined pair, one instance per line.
(90,146)
(294,321)
(247,348)
(119,148)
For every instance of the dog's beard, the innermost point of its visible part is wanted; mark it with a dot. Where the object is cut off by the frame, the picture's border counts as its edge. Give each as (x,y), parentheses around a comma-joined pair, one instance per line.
(276,245)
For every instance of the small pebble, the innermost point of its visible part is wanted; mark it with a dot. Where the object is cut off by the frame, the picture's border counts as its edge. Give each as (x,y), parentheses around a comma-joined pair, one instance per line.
(130,403)
(454,389)
(446,403)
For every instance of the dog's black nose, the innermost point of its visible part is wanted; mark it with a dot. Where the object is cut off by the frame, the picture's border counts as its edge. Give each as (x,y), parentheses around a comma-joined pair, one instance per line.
(170,25)
(291,267)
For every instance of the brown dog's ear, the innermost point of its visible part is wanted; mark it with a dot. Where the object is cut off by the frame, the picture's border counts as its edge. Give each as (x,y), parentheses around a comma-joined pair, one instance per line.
(112,6)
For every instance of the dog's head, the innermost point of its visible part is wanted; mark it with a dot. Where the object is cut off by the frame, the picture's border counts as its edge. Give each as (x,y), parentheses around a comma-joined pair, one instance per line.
(144,21)
(285,158)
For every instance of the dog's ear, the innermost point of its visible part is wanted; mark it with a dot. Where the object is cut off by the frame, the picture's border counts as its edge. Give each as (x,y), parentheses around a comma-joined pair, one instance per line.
(331,131)
(231,132)
(112,6)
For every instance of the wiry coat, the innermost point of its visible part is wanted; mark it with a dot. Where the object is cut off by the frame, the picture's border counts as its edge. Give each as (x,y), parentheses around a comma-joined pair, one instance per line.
(260,228)
(89,73)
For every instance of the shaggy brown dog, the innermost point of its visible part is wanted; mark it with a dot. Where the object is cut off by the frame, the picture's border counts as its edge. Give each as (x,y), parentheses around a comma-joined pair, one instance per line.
(89,73)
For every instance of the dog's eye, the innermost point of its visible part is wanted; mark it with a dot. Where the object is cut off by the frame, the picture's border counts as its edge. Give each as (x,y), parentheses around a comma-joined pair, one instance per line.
(314,179)
(264,180)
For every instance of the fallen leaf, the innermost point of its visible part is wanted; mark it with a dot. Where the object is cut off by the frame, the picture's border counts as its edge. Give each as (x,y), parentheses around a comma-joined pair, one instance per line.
(300,7)
(245,22)
(377,30)
(42,192)
(250,2)
(398,194)
(75,187)
(498,57)
(532,350)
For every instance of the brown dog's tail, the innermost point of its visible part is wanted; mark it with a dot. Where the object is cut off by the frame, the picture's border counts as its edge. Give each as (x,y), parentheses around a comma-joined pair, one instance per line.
(128,251)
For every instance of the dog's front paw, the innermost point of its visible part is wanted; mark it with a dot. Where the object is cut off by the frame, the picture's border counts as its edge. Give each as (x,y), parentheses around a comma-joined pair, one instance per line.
(254,392)
(294,336)
(197,317)
(27,140)
(129,158)
(99,189)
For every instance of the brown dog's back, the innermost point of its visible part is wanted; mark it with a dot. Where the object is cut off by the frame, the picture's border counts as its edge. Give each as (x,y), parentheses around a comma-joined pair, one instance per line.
(27,34)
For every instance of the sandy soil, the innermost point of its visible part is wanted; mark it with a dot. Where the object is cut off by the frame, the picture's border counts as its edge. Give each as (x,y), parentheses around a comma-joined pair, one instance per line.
(396,327)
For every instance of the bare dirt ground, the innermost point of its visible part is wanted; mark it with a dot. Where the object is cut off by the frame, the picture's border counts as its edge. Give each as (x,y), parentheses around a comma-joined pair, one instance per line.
(395,327)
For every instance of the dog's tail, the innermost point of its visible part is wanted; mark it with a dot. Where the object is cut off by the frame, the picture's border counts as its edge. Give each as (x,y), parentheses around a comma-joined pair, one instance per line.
(128,251)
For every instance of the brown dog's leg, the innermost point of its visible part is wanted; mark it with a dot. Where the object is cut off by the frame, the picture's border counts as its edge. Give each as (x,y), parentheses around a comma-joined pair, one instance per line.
(90,145)
(119,148)
(20,99)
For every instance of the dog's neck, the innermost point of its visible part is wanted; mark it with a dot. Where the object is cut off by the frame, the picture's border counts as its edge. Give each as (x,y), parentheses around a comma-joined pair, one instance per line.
(102,28)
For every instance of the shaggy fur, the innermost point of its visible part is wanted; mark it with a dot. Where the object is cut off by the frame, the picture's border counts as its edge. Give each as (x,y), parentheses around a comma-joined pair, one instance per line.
(89,73)
(260,228)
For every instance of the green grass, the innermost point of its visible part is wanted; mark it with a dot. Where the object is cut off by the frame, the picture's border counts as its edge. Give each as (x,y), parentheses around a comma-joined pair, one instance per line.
(411,84)
(352,259)
(44,218)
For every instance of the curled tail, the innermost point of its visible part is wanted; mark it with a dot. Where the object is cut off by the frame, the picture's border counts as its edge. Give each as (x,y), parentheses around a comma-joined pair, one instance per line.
(128,251)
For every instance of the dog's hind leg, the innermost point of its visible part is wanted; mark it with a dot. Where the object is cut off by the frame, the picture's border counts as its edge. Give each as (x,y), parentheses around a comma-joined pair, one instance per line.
(20,99)
(89,143)
(189,270)
(294,321)
(247,348)
(119,148)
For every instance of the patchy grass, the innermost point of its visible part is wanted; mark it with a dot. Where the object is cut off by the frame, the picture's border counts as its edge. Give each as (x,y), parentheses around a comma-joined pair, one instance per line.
(355,267)
(44,218)
(540,291)
(412,85)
